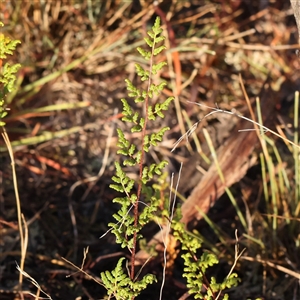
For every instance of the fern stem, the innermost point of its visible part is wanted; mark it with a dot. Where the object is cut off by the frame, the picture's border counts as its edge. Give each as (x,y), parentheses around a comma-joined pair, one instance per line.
(141,164)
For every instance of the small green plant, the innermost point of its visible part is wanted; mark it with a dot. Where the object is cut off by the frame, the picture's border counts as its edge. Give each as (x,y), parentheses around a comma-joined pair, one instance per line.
(195,268)
(7,74)
(130,218)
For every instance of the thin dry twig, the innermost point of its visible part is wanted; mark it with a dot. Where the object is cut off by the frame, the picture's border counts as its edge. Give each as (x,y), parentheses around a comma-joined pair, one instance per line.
(166,233)
(35,283)
(274,266)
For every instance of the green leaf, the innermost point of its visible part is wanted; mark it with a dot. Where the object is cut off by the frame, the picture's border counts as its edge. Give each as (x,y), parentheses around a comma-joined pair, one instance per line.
(158,67)
(146,54)
(159,49)
(127,111)
(136,128)
(149,42)
(130,162)
(117,187)
(7,46)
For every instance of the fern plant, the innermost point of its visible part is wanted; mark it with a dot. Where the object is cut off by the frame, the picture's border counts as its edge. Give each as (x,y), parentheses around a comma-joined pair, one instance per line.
(195,268)
(7,74)
(129,220)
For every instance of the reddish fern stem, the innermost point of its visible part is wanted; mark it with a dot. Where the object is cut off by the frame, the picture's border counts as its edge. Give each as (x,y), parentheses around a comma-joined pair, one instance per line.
(141,164)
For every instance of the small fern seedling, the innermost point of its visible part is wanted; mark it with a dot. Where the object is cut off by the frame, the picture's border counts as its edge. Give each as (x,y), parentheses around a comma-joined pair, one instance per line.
(195,268)
(129,220)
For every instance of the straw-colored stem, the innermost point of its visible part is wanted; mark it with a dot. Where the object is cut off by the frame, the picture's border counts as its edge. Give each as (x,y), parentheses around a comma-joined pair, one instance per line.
(18,204)
(296,153)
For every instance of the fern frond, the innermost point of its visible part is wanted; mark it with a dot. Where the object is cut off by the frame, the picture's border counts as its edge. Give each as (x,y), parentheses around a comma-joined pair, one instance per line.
(129,219)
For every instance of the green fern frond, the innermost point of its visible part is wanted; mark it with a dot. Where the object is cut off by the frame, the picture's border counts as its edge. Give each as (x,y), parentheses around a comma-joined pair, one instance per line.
(124,183)
(195,268)
(8,72)
(7,46)
(130,220)
(120,286)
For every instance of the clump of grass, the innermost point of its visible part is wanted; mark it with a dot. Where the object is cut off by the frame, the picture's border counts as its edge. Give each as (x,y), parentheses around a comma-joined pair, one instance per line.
(280,193)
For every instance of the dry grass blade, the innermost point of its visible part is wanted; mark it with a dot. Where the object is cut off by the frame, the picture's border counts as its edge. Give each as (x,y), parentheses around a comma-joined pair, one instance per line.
(23,234)
(296,9)
(275,266)
(35,283)
(43,137)
(296,153)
